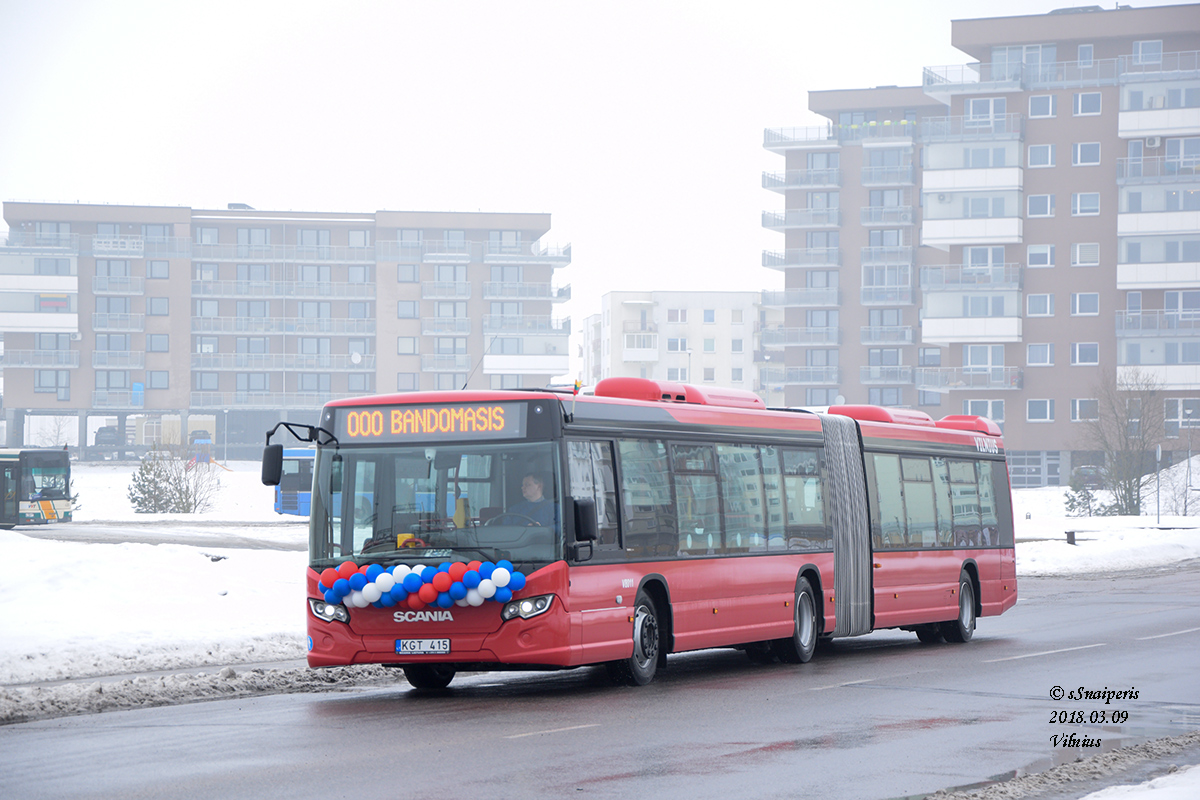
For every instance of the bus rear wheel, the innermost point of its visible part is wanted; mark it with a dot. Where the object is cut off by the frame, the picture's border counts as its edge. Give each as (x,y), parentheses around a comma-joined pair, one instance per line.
(929,634)
(640,668)
(799,647)
(429,676)
(962,627)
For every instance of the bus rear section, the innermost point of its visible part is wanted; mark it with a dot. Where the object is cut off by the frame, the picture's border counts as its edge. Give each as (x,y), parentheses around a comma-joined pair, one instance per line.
(493,530)
(293,495)
(35,486)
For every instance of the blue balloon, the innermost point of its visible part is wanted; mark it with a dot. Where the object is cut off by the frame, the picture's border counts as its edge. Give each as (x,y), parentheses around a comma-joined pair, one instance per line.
(506,564)
(378,603)
(332,597)
(358,581)
(502,595)
(412,582)
(444,566)
(427,575)
(321,588)
(487,569)
(471,579)
(373,572)
(457,590)
(517,582)
(398,593)
(341,587)
(386,601)
(445,600)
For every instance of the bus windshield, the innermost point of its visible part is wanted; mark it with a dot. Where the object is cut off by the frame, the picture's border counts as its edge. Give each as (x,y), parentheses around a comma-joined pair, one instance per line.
(430,504)
(46,475)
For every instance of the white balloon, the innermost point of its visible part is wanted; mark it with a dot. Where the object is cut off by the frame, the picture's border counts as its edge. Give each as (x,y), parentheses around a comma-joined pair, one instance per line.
(486,588)
(371,593)
(418,569)
(501,577)
(353,598)
(385,582)
(474,598)
(399,571)
(462,602)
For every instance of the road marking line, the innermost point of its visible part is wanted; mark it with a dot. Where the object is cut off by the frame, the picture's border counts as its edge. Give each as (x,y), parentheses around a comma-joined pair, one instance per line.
(1046,653)
(1163,635)
(836,685)
(556,730)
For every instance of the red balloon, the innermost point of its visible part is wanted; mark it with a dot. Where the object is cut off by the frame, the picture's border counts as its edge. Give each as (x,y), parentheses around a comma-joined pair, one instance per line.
(457,570)
(328,576)
(346,569)
(441,582)
(363,568)
(475,565)
(415,603)
(427,593)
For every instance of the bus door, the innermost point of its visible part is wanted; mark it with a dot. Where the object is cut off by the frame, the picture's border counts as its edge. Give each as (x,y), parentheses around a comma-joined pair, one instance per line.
(850,525)
(8,494)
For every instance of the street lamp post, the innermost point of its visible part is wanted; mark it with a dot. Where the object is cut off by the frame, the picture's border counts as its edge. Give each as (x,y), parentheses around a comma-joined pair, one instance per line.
(689,372)
(1187,418)
(225,429)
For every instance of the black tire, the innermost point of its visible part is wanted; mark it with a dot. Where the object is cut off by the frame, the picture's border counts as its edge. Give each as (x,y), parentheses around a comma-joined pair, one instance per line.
(429,676)
(799,647)
(962,627)
(642,665)
(929,634)
(760,653)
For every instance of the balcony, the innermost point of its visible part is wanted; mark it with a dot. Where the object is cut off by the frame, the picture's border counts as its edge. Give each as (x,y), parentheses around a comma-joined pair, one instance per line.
(800,218)
(886,215)
(945,233)
(118,359)
(1158,169)
(782,337)
(41,244)
(637,326)
(1158,122)
(899,254)
(810,376)
(956,278)
(888,176)
(886,334)
(802,298)
(526,324)
(445,290)
(116,246)
(118,322)
(942,83)
(282,253)
(122,285)
(1152,223)
(533,253)
(110,398)
(409,252)
(445,326)
(284,362)
(1182,65)
(975,179)
(881,132)
(1159,275)
(782,139)
(801,179)
(890,376)
(1158,324)
(972,128)
(281,325)
(61,359)
(970,330)
(886,295)
(311,401)
(947,379)
(283,289)
(802,257)
(441,362)
(509,290)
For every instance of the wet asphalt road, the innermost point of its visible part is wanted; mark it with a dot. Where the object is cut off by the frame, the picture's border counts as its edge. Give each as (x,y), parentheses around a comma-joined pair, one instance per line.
(881,716)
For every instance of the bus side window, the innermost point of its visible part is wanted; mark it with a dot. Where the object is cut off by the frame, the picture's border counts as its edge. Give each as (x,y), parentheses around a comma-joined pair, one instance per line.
(773,491)
(742,497)
(889,530)
(694,471)
(918,502)
(806,528)
(646,495)
(590,472)
(964,489)
(989,531)
(941,496)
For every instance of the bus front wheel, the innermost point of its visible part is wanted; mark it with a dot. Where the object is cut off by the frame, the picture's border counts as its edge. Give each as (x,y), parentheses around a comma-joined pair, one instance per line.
(799,647)
(640,668)
(962,627)
(429,676)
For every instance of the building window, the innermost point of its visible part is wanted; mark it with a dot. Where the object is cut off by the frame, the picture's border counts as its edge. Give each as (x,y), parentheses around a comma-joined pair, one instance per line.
(736,375)
(506,381)
(158,269)
(158,343)
(710,315)
(820,397)
(884,396)
(158,379)
(408,273)
(357,274)
(359,310)
(1084,55)
(1147,52)
(1085,304)
(677,374)
(992,409)
(710,374)
(206,308)
(112,379)
(676,315)
(206,235)
(406,382)
(925,398)
(359,382)
(57,381)
(1040,256)
(1087,104)
(452,381)
(359,238)
(1085,254)
(1085,410)
(1085,154)
(52,266)
(736,316)
(1043,105)
(710,345)
(1041,205)
(1039,410)
(735,346)
(1039,355)
(406,345)
(1085,354)
(929,357)
(1181,412)
(54,303)
(206,344)
(158,306)
(677,345)
(1039,305)
(1041,155)
(406,309)
(1085,204)
(206,381)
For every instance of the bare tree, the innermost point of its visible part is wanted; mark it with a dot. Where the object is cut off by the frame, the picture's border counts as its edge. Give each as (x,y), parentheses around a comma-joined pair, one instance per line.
(1128,428)
(56,432)
(172,480)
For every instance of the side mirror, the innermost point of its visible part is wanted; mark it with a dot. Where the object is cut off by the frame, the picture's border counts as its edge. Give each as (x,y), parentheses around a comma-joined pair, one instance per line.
(586,529)
(272,465)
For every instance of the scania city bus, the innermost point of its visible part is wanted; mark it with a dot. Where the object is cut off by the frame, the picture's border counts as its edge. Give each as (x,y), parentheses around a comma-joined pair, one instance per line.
(683,518)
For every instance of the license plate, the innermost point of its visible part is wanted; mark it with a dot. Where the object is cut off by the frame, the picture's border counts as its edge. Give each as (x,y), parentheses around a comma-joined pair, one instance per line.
(422,646)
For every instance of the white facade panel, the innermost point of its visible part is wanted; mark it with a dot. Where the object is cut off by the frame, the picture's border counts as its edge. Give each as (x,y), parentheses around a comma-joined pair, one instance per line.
(945,233)
(33,322)
(1157,223)
(1170,377)
(971,330)
(1158,122)
(1173,275)
(959,180)
(41,284)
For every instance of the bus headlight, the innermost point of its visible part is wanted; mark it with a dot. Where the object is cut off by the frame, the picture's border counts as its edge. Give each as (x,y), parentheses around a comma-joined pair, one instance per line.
(527,607)
(329,612)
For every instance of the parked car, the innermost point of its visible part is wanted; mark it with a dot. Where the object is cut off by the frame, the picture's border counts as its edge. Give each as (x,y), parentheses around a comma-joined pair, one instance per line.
(1088,476)
(200,436)
(108,436)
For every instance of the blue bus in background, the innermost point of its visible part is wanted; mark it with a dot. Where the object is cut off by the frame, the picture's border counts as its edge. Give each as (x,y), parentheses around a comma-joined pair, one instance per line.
(293,495)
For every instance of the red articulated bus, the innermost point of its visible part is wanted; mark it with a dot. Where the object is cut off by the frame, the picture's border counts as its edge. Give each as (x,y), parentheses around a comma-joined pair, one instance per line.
(533,530)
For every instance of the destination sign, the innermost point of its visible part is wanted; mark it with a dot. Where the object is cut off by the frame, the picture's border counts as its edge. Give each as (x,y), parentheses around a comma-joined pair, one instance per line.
(428,423)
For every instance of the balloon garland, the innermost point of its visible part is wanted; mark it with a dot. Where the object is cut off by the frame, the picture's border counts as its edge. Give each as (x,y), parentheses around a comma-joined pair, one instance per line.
(449,584)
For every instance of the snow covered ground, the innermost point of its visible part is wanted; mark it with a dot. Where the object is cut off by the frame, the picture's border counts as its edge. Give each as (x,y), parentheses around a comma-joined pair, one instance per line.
(73,611)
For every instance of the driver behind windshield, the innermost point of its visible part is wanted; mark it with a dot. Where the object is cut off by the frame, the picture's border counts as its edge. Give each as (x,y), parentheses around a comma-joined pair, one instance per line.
(535,506)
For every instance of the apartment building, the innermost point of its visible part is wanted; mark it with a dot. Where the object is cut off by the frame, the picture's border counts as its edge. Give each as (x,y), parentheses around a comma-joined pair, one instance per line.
(250,316)
(690,337)
(1004,237)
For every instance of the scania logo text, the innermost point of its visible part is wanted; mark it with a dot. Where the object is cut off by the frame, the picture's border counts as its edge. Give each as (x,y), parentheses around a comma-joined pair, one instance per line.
(423,616)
